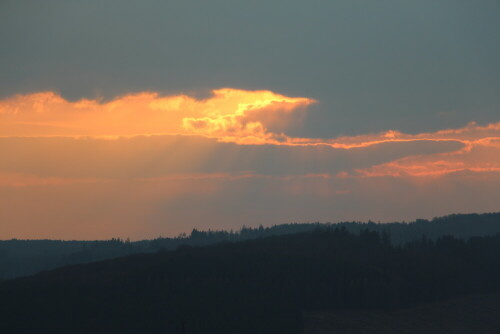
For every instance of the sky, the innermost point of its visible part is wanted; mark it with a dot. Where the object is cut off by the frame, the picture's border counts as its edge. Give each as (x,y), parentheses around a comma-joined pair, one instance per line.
(140,119)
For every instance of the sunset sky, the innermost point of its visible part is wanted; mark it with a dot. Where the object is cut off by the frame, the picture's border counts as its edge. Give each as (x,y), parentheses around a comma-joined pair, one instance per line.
(150,118)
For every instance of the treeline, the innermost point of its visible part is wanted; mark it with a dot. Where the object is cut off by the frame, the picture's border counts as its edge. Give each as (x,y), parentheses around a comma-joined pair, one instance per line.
(255,286)
(26,257)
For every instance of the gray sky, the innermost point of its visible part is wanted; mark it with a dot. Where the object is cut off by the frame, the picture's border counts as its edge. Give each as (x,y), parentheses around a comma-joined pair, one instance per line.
(374,65)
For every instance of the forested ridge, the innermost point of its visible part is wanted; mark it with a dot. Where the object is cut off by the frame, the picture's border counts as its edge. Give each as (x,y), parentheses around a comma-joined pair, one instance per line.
(262,285)
(26,257)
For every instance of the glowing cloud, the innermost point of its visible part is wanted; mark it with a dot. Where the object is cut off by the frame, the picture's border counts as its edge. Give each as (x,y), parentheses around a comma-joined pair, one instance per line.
(241,117)
(259,118)
(229,115)
(479,152)
(481,155)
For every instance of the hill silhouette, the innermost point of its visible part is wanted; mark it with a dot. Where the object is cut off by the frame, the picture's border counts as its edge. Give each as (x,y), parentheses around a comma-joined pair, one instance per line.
(263,285)
(27,257)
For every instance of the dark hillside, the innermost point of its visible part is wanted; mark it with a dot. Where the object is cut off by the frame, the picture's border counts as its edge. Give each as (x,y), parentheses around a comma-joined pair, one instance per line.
(478,314)
(27,257)
(256,286)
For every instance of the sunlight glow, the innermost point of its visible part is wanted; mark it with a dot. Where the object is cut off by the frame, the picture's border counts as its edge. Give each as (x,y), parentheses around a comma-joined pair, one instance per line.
(241,117)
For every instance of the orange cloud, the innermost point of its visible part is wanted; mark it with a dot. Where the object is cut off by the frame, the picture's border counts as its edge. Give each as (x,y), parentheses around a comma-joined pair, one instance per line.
(466,135)
(480,151)
(229,114)
(477,155)
(256,120)
(242,117)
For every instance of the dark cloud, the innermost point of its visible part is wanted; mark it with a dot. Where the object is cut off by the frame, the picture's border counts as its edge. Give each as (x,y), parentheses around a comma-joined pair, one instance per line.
(411,66)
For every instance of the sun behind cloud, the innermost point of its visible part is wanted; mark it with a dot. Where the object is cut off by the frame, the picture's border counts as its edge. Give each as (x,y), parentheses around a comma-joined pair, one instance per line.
(229,114)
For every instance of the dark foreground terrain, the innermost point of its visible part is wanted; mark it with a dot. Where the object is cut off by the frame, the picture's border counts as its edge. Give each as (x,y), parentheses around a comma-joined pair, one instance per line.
(478,314)
(264,285)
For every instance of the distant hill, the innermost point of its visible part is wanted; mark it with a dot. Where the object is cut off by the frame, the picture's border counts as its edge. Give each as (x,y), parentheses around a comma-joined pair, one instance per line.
(262,286)
(26,257)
